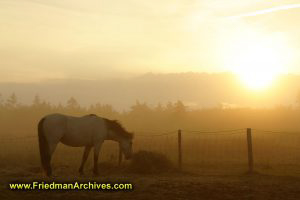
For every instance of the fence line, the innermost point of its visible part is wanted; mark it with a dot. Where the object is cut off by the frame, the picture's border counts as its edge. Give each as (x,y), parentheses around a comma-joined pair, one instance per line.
(205,133)
(179,136)
(147,134)
(216,131)
(162,133)
(278,132)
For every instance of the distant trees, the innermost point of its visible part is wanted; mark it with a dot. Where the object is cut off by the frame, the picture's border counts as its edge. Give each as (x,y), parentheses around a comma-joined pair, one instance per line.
(159,108)
(36,101)
(72,104)
(298,99)
(16,117)
(179,108)
(139,109)
(11,102)
(104,110)
(41,106)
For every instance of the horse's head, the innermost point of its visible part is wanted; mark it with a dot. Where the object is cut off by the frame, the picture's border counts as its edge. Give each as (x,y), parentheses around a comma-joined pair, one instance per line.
(126,146)
(118,133)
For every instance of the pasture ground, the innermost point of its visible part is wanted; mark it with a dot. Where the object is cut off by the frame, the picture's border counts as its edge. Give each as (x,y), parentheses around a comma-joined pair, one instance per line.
(172,185)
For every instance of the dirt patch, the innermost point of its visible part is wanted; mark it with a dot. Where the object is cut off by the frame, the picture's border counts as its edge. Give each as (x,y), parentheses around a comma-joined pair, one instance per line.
(163,186)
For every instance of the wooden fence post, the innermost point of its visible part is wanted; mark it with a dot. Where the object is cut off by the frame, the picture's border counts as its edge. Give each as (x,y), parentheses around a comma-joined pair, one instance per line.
(250,150)
(179,150)
(120,156)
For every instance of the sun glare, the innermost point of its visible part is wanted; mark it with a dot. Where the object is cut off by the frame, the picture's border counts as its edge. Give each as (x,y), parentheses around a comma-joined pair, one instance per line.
(257,61)
(257,66)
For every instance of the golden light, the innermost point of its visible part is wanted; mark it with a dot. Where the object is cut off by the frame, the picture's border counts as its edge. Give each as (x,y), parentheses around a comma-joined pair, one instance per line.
(257,60)
(257,66)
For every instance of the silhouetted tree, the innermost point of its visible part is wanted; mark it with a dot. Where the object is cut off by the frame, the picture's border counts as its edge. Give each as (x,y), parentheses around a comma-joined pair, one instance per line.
(169,107)
(36,100)
(140,108)
(59,107)
(179,107)
(12,101)
(72,104)
(41,106)
(105,110)
(159,108)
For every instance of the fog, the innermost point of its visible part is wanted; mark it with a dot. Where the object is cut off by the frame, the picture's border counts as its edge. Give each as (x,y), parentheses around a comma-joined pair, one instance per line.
(195,90)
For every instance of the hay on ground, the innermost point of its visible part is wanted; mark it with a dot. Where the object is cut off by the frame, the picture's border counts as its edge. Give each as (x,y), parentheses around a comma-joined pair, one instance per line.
(150,162)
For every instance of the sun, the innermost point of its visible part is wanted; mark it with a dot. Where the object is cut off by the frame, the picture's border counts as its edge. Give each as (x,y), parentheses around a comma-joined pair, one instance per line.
(257,59)
(257,66)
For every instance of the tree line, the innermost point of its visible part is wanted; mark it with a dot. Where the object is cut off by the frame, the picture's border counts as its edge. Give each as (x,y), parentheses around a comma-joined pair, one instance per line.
(20,119)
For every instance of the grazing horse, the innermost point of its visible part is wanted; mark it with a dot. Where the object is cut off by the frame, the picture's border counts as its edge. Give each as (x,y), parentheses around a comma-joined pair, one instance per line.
(87,131)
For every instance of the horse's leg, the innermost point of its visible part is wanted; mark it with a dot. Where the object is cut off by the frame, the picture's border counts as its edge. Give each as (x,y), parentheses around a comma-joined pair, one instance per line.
(52,148)
(86,152)
(97,148)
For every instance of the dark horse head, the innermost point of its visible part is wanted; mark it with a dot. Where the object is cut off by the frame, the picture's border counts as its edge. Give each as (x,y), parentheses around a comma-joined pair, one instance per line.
(122,136)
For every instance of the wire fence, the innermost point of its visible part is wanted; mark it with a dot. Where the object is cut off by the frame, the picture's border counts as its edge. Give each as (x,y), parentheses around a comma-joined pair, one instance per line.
(277,151)
(204,151)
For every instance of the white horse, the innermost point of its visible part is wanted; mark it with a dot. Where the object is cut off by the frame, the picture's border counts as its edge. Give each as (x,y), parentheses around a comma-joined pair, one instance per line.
(88,131)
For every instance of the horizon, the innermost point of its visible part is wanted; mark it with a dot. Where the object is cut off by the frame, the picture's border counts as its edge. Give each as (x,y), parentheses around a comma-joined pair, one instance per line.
(206,90)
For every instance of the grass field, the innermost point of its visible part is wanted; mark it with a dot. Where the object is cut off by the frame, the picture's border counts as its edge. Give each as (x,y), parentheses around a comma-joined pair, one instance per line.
(173,185)
(214,167)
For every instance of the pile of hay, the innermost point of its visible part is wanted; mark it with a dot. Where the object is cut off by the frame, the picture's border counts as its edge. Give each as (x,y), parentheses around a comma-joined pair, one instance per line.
(150,162)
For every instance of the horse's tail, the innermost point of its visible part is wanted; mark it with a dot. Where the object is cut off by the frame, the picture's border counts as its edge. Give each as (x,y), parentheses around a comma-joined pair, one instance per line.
(44,148)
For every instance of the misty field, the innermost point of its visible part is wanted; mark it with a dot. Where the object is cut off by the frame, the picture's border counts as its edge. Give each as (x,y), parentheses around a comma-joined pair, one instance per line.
(214,152)
(214,167)
(207,153)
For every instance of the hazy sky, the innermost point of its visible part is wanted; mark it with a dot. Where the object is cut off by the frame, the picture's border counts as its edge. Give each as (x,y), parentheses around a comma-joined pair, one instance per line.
(91,39)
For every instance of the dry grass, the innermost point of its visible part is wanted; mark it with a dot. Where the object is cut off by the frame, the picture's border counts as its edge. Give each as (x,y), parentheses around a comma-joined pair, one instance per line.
(214,177)
(156,186)
(147,162)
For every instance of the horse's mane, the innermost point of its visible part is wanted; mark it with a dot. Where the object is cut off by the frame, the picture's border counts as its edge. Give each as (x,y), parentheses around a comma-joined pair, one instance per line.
(117,127)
